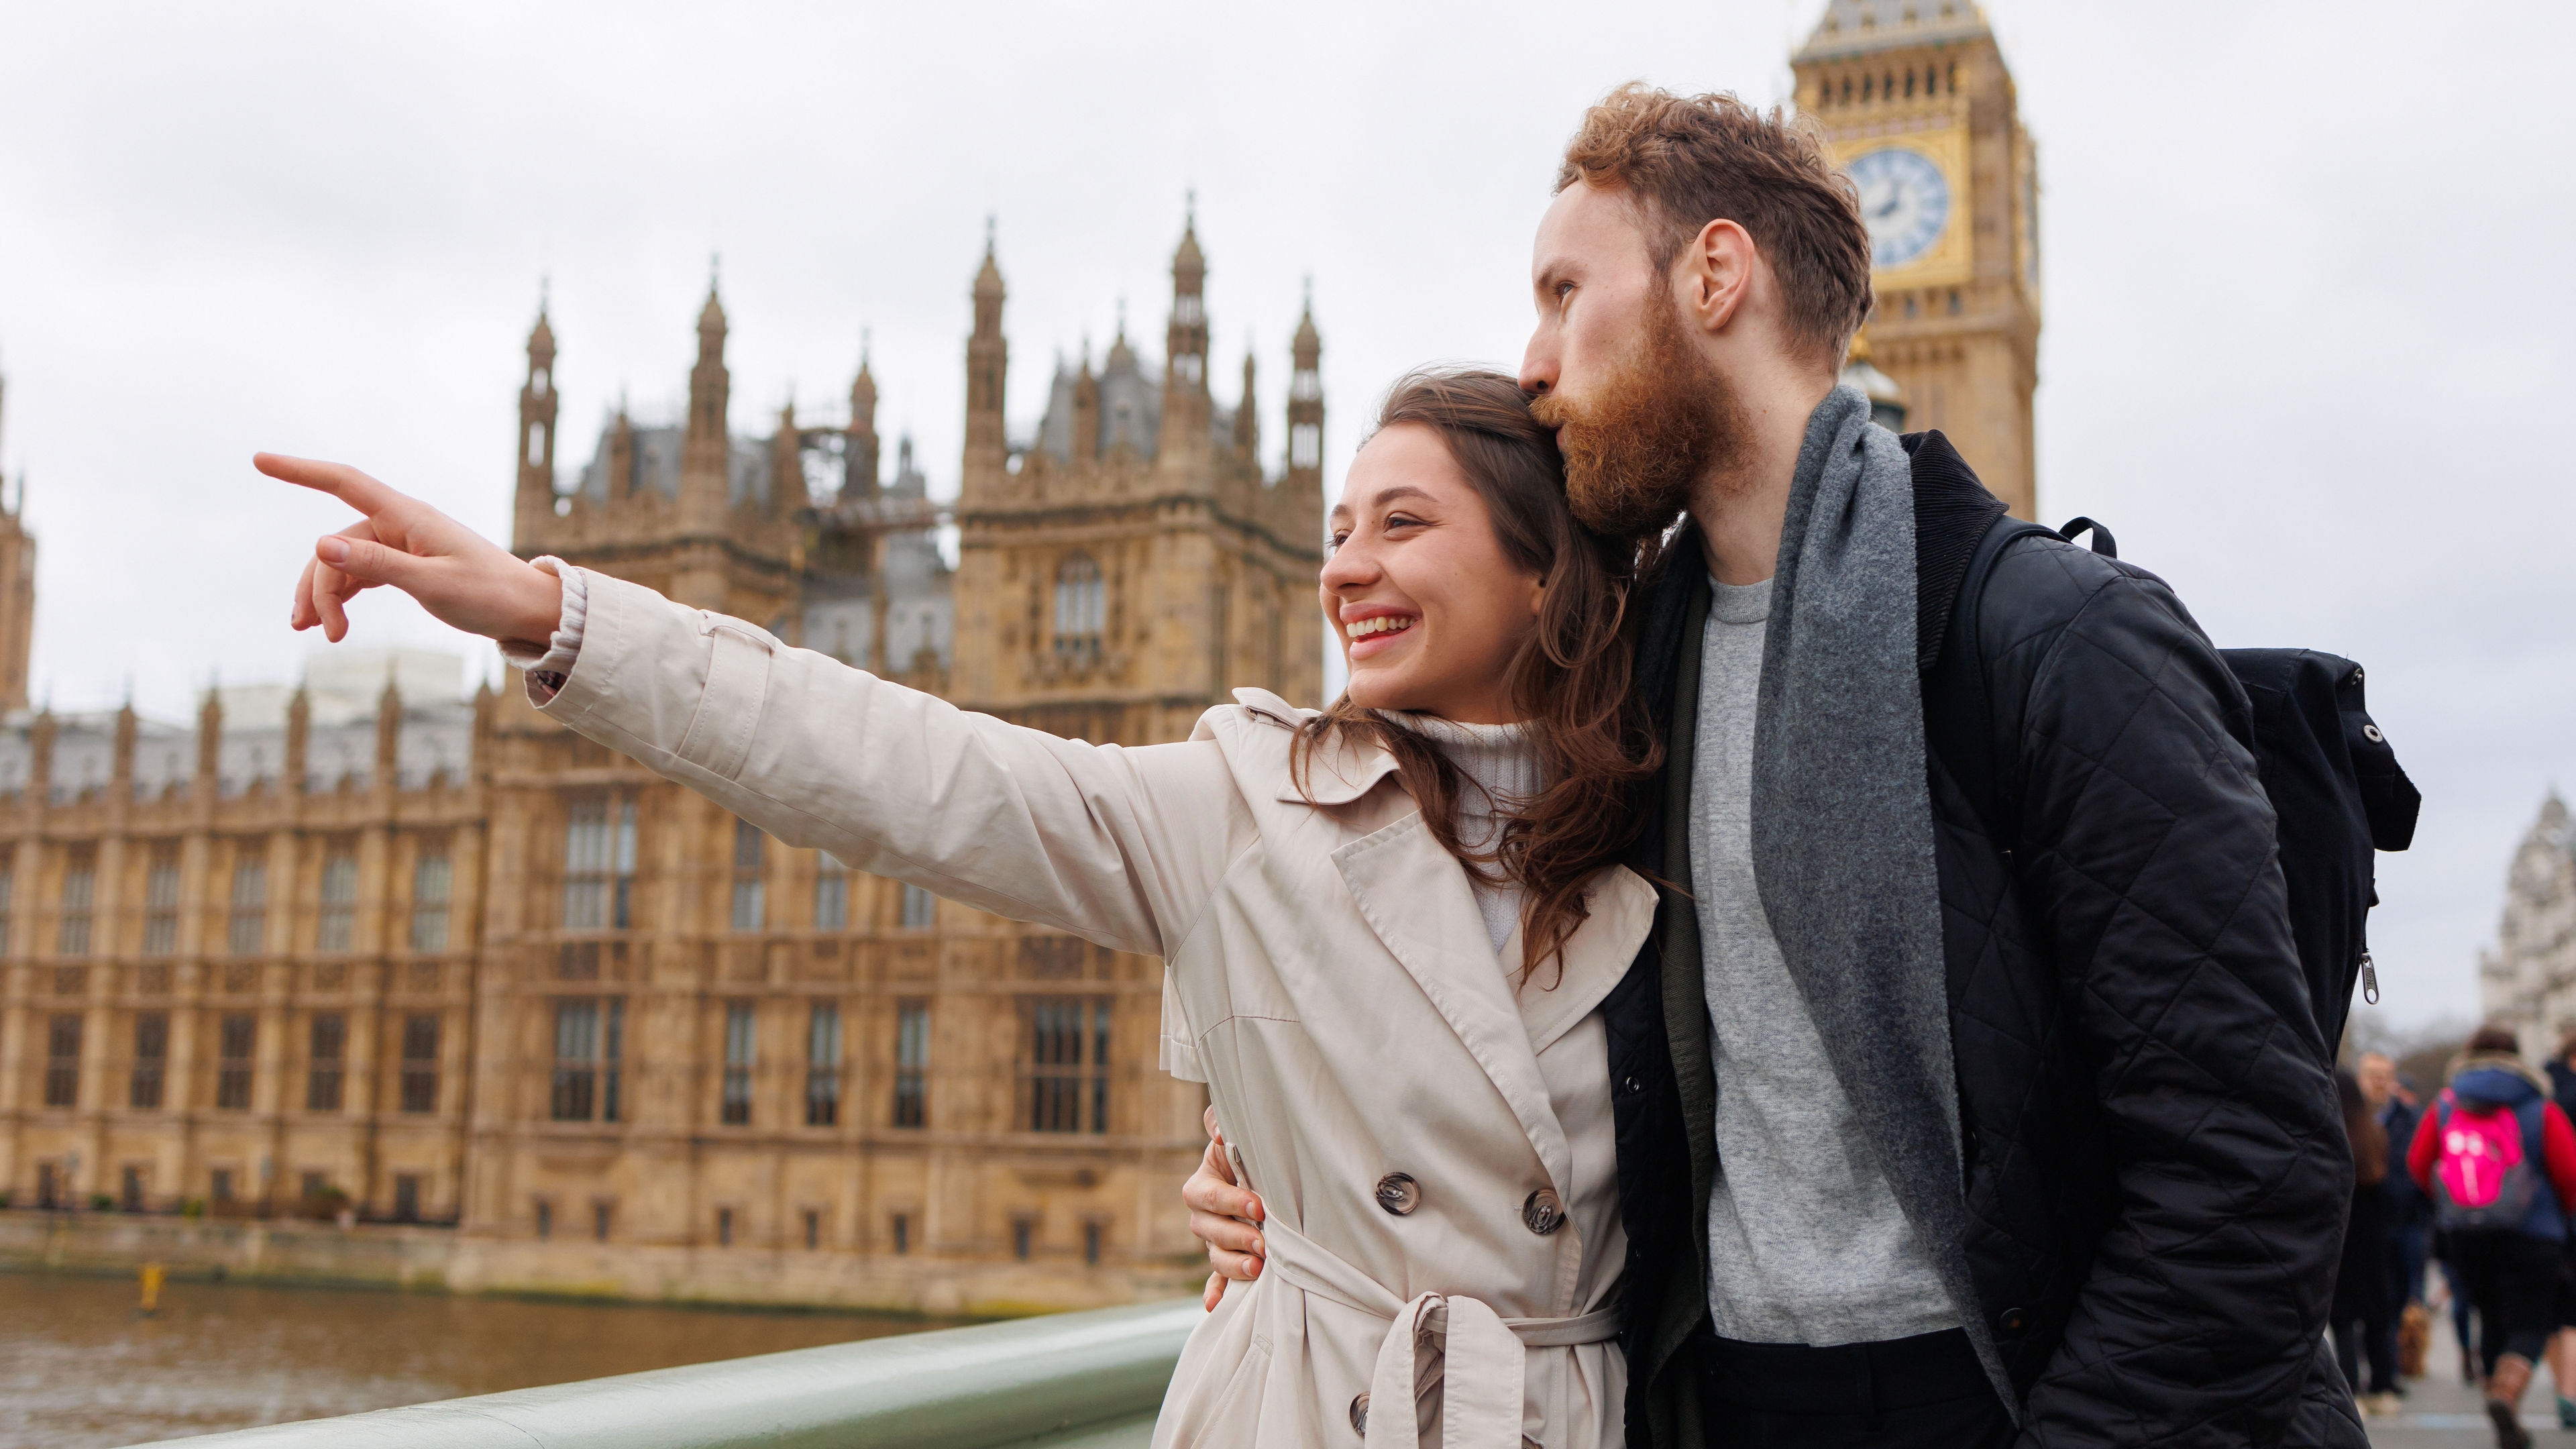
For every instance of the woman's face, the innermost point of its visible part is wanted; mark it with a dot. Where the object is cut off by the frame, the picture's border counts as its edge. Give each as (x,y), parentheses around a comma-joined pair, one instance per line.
(1429,610)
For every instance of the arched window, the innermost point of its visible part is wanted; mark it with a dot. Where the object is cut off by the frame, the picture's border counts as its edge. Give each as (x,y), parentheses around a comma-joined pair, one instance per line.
(1081,607)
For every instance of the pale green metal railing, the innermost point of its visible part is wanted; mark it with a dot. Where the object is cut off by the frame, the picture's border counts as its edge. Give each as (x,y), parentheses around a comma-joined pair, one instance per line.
(1066,1381)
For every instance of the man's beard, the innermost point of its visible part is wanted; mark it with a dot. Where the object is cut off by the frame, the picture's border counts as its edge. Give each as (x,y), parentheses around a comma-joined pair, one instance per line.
(1659,423)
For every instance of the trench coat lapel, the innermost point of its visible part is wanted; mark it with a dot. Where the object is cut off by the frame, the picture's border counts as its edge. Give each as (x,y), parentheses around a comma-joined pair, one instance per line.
(1415,896)
(1596,958)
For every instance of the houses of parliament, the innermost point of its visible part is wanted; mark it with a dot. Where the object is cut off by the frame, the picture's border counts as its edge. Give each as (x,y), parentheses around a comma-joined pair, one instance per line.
(361,947)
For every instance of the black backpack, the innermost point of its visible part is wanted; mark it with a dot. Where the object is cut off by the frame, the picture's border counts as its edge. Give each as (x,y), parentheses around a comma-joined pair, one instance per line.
(2333,780)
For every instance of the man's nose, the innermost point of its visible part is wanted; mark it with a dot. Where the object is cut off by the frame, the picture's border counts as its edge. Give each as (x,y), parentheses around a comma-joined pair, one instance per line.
(1538,365)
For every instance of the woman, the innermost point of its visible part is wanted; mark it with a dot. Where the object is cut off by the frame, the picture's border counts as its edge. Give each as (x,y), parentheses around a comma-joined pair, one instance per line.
(2499,1161)
(1386,927)
(2360,1317)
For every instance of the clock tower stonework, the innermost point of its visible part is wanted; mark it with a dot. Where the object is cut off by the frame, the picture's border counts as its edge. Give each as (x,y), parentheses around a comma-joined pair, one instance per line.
(1920,110)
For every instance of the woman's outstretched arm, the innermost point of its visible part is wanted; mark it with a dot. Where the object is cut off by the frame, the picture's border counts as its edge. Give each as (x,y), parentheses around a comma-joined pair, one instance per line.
(1119,846)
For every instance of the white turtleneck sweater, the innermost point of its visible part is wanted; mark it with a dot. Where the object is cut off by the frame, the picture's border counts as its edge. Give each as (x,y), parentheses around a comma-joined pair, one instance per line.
(1502,774)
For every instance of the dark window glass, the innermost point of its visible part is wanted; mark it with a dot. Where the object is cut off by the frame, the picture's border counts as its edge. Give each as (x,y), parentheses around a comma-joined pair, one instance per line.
(750,888)
(420,1062)
(151,1058)
(823,1066)
(62,1061)
(738,1044)
(237,1038)
(1065,1063)
(911,1063)
(325,1071)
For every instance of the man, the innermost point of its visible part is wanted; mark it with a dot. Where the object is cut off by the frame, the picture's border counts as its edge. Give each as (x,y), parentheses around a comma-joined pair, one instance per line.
(1933,1129)
(2410,1213)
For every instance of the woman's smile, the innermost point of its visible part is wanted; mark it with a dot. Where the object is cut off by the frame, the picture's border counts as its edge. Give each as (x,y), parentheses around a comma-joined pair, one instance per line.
(1375,633)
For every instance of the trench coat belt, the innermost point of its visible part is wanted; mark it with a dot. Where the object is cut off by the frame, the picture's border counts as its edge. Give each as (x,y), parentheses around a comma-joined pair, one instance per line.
(1482,1358)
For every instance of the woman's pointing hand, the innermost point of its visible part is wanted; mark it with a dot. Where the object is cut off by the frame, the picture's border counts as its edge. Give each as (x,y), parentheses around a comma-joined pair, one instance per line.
(462,578)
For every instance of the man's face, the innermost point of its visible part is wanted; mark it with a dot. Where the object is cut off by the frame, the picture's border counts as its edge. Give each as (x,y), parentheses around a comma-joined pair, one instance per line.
(2378,1078)
(1640,413)
(1591,276)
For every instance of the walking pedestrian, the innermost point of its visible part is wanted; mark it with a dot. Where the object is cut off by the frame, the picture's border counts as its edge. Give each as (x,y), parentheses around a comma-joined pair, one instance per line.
(2362,1318)
(2410,1215)
(2499,1159)
(2562,1345)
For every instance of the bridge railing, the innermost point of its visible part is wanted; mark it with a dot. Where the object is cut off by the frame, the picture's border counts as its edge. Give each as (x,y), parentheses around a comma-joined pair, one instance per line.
(1066,1381)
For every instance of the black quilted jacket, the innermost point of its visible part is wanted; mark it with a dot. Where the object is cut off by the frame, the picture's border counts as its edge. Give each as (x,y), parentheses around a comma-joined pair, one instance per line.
(2156,1172)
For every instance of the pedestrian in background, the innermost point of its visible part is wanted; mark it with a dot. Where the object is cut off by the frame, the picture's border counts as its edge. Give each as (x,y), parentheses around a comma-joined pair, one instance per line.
(2363,1318)
(2562,1346)
(2410,1215)
(2499,1159)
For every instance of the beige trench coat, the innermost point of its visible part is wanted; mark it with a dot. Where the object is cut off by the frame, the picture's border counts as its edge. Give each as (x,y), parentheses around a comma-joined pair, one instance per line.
(1433,1146)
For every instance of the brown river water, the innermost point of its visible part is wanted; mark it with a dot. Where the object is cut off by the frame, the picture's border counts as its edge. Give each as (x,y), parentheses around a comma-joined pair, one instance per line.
(81,1369)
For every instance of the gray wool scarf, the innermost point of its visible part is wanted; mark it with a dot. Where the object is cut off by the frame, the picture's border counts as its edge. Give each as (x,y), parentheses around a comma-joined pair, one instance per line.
(1842,819)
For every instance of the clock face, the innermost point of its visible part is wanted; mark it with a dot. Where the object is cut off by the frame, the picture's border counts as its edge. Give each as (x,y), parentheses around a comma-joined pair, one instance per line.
(1905,201)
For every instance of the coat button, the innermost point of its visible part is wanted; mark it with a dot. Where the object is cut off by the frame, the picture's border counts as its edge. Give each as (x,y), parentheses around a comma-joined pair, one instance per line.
(2012,1321)
(1398,1193)
(1543,1213)
(1359,1414)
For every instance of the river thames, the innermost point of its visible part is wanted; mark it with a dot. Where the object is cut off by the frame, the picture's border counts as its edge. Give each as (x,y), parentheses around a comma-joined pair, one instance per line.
(80,1368)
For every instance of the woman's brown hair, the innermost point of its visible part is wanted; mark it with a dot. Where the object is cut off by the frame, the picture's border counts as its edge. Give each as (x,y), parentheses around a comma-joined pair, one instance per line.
(1571,683)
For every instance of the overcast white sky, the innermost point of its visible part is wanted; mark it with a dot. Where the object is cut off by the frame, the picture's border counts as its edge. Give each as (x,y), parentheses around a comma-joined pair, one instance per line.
(2306,274)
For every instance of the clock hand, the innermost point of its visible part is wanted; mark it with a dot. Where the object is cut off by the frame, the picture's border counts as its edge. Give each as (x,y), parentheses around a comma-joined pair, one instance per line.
(1894,200)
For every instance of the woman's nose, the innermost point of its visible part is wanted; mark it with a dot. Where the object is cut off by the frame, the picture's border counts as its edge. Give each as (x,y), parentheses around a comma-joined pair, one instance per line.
(1349,566)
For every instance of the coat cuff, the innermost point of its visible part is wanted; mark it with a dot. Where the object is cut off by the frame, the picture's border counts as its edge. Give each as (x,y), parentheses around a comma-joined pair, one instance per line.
(548,670)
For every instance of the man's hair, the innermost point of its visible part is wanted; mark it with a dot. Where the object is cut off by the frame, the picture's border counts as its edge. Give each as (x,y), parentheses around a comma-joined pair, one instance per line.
(1689,160)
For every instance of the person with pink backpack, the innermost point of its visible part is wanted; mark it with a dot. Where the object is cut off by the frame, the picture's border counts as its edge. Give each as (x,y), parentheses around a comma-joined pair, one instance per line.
(2499,1159)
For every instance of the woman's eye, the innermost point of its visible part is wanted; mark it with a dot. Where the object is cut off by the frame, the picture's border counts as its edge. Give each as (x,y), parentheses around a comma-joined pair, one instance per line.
(1402,520)
(1339,537)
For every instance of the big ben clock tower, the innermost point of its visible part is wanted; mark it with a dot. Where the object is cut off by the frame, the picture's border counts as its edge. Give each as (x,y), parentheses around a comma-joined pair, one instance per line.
(1920,111)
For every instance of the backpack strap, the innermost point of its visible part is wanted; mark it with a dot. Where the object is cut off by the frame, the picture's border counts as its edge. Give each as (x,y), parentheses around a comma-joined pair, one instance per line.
(1958,710)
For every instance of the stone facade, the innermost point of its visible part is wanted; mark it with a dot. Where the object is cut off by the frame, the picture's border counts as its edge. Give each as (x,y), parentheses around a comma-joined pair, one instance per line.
(672,1056)
(2528,981)
(1918,105)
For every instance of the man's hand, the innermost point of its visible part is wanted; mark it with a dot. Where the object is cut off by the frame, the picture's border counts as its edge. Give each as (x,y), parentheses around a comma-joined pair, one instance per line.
(1225,1217)
(462,578)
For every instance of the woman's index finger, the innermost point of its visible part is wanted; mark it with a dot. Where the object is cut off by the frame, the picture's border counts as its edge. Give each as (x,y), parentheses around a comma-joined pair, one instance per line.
(339,480)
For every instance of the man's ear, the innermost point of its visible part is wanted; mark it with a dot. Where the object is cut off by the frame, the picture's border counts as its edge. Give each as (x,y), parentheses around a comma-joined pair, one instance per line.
(1715,274)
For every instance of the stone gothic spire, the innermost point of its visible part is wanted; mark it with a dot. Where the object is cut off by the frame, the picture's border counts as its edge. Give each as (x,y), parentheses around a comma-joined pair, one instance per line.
(1306,398)
(535,499)
(1185,440)
(988,361)
(859,455)
(710,385)
(706,452)
(1247,416)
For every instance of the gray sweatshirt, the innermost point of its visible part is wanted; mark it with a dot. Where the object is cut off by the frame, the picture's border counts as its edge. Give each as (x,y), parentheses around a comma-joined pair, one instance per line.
(1806,1241)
